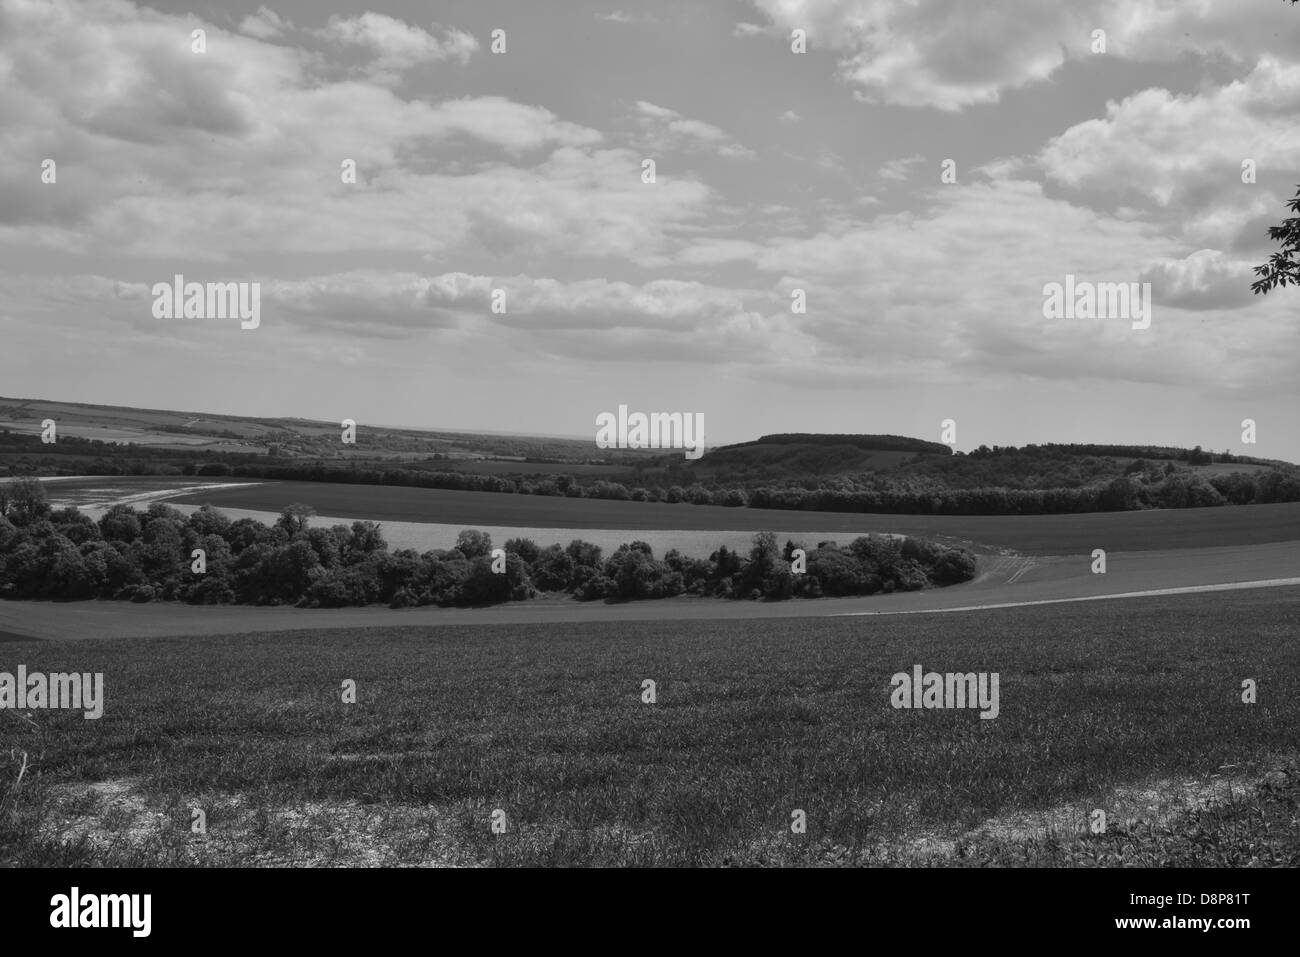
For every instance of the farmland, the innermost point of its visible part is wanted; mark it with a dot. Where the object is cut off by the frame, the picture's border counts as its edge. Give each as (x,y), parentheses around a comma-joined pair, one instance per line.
(197,436)
(1001,580)
(1132,707)
(1043,535)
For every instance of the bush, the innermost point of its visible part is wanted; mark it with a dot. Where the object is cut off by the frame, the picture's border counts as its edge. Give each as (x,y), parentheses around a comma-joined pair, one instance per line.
(552,570)
(954,566)
(839,573)
(598,587)
(402,598)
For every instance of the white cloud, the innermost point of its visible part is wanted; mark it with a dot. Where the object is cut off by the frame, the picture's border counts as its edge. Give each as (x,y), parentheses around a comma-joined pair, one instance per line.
(1207,279)
(512,126)
(667,129)
(238,153)
(265,24)
(899,169)
(953,55)
(619,16)
(396,46)
(1183,154)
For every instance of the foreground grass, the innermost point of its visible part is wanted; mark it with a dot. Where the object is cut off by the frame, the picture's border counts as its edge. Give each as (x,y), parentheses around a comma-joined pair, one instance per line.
(1131,706)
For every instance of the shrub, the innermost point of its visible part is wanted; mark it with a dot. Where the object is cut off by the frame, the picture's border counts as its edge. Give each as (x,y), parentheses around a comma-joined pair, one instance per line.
(954,566)
(552,570)
(839,573)
(598,587)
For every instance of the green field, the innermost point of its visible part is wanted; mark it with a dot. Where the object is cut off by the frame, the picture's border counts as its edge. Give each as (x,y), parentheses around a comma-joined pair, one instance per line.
(1032,534)
(1132,707)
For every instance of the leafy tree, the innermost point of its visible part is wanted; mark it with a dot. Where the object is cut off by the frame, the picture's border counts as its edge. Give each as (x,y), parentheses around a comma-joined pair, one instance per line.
(473,544)
(208,521)
(584,553)
(552,569)
(525,548)
(24,500)
(1283,266)
(295,518)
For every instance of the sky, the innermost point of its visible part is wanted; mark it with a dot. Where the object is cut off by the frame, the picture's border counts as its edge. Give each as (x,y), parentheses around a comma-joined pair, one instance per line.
(522,170)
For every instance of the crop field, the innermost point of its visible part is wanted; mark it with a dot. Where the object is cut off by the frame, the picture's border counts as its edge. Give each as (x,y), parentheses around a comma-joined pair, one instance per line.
(1032,534)
(1130,707)
(499,467)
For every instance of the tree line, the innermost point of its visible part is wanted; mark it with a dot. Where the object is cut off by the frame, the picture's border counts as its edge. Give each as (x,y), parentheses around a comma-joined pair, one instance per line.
(1035,480)
(148,556)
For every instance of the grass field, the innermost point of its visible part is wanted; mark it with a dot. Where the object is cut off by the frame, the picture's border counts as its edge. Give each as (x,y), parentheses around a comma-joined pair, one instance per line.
(1132,707)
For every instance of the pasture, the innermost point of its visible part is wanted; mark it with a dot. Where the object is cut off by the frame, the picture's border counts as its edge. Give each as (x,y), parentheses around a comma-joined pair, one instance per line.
(1133,707)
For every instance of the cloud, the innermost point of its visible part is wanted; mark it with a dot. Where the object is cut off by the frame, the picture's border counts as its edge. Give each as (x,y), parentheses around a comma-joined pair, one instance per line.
(900,169)
(396,46)
(1207,279)
(265,24)
(789,116)
(618,16)
(1152,147)
(951,55)
(237,153)
(666,129)
(754,30)
(877,294)
(512,126)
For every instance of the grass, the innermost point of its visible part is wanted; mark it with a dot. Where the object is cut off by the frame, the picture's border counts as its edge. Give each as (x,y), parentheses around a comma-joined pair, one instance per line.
(753,720)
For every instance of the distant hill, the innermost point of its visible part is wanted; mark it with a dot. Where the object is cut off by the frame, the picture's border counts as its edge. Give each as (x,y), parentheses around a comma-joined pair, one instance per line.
(799,454)
(795,470)
(174,436)
(915,463)
(872,443)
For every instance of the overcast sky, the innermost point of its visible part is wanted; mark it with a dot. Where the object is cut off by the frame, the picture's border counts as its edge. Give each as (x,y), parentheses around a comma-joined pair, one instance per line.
(774,171)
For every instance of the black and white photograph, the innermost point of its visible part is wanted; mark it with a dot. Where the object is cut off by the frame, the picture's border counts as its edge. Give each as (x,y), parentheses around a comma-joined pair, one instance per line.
(691,434)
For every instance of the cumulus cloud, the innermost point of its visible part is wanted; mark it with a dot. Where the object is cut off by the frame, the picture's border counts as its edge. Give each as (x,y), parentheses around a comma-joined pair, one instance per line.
(1207,279)
(395,46)
(245,144)
(951,55)
(1182,155)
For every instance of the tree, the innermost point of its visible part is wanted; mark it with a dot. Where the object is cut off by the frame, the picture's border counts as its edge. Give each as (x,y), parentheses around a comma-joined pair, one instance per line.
(295,518)
(764,552)
(24,500)
(473,544)
(525,548)
(1282,267)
